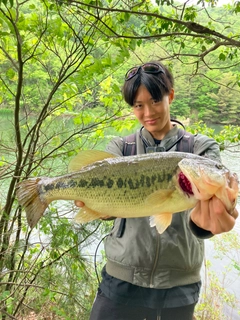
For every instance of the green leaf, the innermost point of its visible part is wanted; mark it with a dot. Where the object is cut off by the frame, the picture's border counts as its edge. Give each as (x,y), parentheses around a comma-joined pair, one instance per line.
(222,57)
(237,7)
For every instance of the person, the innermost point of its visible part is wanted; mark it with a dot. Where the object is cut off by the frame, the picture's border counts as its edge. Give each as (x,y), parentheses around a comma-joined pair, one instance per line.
(150,276)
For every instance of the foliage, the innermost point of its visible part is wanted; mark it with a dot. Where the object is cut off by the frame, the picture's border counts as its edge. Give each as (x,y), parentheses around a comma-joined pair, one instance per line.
(204,62)
(228,245)
(214,298)
(5,112)
(228,138)
(53,116)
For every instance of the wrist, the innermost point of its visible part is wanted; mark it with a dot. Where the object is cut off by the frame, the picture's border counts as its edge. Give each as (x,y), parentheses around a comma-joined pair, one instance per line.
(199,232)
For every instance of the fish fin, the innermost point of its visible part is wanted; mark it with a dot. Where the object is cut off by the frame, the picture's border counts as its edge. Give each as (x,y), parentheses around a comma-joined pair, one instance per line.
(86,157)
(28,197)
(159,196)
(161,221)
(86,214)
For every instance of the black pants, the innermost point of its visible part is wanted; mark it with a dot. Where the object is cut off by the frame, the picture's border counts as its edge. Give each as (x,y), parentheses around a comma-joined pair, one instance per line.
(106,309)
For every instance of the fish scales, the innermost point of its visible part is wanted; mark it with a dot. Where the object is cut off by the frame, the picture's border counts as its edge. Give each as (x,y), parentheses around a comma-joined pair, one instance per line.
(133,183)
(157,185)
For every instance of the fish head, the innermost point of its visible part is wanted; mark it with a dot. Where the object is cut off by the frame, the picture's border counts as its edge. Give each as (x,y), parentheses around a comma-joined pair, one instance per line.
(206,178)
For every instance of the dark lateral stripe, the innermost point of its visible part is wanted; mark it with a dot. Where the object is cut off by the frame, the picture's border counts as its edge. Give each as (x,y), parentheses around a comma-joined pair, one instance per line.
(164,176)
(48,187)
(120,183)
(95,182)
(61,185)
(131,183)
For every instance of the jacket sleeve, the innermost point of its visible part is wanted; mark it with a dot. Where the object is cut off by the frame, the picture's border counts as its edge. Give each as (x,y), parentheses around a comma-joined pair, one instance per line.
(206,147)
(115,146)
(199,232)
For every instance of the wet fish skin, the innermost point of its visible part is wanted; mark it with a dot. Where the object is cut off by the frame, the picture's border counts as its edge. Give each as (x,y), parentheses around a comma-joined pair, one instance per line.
(135,186)
(211,179)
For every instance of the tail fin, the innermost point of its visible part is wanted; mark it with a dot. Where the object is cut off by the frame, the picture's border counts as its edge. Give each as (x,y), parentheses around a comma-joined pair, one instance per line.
(28,196)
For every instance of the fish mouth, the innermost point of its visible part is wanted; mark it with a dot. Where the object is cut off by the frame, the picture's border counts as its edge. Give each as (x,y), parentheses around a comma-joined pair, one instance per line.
(185,184)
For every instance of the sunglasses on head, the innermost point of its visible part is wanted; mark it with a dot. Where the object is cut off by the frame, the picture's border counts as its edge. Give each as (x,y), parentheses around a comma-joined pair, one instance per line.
(147,68)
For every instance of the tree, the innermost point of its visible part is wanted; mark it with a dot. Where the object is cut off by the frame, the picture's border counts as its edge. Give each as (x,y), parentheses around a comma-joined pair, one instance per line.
(227,101)
(55,65)
(199,36)
(171,22)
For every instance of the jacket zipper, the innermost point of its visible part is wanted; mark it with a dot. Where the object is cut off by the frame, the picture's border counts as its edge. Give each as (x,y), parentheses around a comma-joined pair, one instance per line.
(155,262)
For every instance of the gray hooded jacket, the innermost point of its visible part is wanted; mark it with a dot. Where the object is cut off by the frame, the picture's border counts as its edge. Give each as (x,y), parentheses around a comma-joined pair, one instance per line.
(141,255)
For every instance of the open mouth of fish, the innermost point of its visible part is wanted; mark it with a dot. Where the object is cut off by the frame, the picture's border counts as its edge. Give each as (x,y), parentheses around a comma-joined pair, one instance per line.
(185,184)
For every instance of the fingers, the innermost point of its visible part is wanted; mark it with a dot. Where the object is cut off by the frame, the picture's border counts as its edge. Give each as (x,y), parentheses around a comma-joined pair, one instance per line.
(79,203)
(232,189)
(235,213)
(212,215)
(107,218)
(221,220)
(233,181)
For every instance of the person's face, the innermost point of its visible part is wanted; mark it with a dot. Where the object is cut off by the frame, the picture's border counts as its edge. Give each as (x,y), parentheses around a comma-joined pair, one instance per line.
(153,115)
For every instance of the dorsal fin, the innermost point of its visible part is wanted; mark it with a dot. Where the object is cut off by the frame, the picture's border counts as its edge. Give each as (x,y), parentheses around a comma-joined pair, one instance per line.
(87,157)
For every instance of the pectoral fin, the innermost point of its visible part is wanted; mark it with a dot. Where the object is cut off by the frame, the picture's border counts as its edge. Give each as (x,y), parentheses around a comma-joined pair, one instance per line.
(159,197)
(86,214)
(161,221)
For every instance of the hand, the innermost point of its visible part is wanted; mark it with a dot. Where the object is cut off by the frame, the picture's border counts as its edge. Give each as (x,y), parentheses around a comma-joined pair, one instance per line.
(81,204)
(212,215)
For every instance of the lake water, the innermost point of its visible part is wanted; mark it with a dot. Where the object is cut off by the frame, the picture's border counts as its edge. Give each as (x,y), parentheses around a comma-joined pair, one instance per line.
(229,277)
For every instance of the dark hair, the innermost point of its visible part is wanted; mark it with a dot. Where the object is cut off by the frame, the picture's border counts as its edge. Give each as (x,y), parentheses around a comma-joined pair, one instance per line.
(158,84)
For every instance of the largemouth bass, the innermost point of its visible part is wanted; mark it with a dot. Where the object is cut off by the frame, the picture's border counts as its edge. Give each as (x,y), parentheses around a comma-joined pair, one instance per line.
(156,185)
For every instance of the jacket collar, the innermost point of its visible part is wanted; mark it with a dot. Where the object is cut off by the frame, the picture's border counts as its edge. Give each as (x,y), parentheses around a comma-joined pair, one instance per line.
(166,142)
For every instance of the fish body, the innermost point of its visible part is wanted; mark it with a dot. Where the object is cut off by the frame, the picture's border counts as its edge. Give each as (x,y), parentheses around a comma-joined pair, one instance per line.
(156,185)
